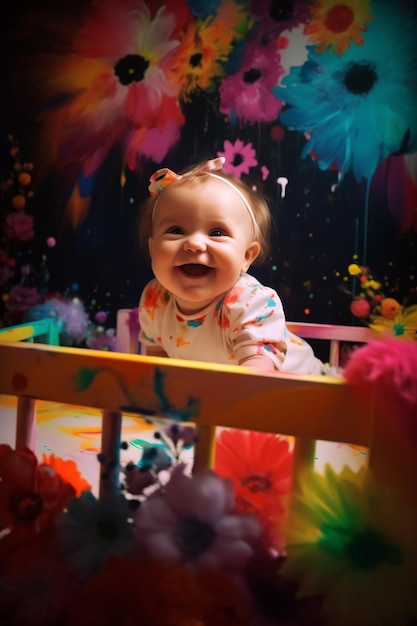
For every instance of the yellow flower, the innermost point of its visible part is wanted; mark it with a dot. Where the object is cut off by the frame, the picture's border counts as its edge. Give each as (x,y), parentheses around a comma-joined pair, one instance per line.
(353,542)
(402,325)
(196,63)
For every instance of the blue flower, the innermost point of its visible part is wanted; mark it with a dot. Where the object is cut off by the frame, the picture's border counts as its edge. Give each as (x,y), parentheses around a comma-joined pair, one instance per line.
(358,108)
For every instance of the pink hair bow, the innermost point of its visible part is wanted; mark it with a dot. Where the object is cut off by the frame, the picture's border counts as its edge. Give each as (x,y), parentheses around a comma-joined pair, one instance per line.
(164,177)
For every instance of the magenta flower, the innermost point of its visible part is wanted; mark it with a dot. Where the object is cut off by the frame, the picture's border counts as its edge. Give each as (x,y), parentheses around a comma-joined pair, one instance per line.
(388,367)
(239,157)
(191,522)
(19,226)
(247,94)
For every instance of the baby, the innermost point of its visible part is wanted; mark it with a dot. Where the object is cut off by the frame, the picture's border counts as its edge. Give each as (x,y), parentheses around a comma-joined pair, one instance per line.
(204,228)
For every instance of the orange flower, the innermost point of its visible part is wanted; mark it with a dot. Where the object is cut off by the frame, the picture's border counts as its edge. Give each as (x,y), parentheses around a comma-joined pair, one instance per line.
(259,465)
(68,471)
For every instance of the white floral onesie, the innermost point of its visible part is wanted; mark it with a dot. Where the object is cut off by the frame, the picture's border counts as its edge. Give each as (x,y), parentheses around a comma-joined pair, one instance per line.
(247,320)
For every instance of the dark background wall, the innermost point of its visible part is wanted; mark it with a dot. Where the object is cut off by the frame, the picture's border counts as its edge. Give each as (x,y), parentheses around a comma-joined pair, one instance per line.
(322,224)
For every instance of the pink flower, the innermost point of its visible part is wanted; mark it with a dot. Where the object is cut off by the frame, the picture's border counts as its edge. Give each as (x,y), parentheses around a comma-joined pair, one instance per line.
(191,523)
(390,366)
(19,226)
(239,157)
(247,94)
(18,301)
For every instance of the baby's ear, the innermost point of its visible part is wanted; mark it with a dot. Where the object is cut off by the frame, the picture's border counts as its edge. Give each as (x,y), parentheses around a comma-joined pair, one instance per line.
(150,246)
(251,254)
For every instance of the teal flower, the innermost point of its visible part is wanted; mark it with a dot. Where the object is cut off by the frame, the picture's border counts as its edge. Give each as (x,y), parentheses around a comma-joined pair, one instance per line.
(358,108)
(91,530)
(352,541)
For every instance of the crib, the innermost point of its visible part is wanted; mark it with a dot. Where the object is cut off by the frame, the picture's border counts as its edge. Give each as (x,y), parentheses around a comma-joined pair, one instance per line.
(307,408)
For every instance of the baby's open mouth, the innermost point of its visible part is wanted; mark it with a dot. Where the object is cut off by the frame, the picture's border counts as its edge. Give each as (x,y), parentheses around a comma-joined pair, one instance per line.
(195,269)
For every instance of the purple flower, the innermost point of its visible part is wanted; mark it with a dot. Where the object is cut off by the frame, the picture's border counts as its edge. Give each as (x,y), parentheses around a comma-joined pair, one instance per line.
(178,433)
(191,522)
(21,298)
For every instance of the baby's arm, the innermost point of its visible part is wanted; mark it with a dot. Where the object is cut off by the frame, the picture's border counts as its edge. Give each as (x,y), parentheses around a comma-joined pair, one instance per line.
(155,351)
(258,362)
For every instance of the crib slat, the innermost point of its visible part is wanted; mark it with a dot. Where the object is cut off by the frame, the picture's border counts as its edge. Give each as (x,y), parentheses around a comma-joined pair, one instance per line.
(110,451)
(25,422)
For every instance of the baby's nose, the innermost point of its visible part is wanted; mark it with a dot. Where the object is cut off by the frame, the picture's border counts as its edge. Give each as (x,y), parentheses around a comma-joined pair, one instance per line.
(195,242)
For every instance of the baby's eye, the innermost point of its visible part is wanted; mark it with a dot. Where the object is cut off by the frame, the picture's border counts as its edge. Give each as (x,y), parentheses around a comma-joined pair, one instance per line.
(175,230)
(216,232)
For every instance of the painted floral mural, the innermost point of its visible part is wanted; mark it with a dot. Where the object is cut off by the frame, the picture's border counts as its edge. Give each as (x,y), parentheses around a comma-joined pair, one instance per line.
(315,100)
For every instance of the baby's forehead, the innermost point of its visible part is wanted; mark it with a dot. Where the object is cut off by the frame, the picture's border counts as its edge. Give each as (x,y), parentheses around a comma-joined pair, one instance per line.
(198,188)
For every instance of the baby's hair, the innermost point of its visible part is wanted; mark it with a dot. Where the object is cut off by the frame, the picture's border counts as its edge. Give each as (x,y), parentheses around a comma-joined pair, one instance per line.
(192,175)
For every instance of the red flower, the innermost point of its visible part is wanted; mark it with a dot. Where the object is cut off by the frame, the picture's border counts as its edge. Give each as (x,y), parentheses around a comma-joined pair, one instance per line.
(132,592)
(31,495)
(36,585)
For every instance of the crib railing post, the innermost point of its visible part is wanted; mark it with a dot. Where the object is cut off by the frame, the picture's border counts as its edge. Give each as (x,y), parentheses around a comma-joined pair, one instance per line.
(110,451)
(303,461)
(25,422)
(204,447)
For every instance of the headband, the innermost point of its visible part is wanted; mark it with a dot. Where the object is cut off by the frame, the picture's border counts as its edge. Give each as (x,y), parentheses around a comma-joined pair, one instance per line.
(165,177)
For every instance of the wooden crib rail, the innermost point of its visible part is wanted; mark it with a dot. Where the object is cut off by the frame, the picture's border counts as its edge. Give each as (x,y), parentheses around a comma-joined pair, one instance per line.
(306,407)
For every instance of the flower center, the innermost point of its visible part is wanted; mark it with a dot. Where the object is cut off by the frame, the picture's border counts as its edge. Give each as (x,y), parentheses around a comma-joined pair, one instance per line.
(398,329)
(131,68)
(256,484)
(195,59)
(194,536)
(360,78)
(339,18)
(26,505)
(281,10)
(237,159)
(368,549)
(107,530)
(252,75)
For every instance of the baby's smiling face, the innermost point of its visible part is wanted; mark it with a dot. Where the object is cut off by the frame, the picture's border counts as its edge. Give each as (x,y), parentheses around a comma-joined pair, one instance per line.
(202,240)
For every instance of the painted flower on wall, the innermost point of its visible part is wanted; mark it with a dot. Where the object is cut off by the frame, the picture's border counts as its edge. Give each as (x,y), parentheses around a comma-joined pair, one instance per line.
(198,62)
(358,108)
(274,17)
(112,87)
(335,25)
(247,95)
(239,157)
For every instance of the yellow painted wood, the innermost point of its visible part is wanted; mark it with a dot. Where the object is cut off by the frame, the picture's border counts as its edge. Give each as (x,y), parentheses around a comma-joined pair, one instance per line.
(315,407)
